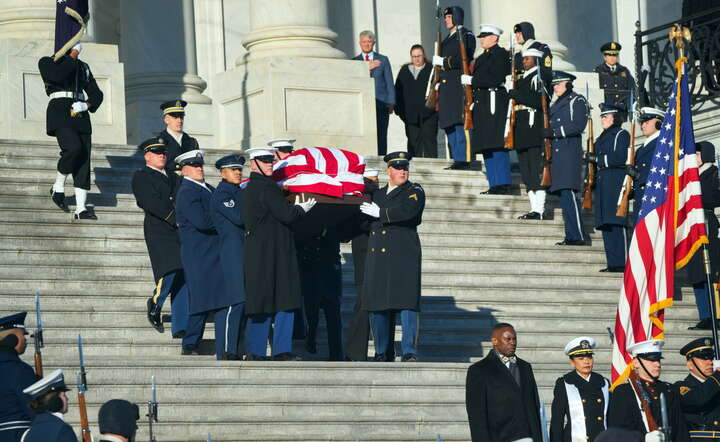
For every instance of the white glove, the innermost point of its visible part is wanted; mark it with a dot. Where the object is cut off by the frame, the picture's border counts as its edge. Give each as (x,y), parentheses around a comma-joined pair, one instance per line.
(370,209)
(307,205)
(437,60)
(466,79)
(79,106)
(716,365)
(437,86)
(655,436)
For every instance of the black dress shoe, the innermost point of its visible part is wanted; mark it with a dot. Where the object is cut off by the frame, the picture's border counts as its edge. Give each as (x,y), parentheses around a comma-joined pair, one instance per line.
(490,191)
(190,350)
(179,335)
(410,357)
(530,215)
(502,190)
(153,315)
(287,357)
(59,199)
(379,358)
(252,357)
(570,242)
(230,357)
(613,269)
(86,214)
(310,346)
(458,165)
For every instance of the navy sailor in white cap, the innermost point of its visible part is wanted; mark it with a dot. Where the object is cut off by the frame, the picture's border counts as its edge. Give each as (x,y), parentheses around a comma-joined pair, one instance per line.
(51,403)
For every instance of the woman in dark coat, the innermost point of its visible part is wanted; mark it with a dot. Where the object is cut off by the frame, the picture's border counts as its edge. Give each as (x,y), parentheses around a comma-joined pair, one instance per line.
(710,188)
(611,150)
(421,122)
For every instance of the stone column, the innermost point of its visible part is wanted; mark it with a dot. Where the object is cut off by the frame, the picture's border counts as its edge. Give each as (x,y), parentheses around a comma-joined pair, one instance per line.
(294,83)
(158,49)
(27,19)
(543,14)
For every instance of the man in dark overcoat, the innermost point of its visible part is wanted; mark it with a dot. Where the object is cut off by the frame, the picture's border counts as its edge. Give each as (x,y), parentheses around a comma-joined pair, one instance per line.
(272,280)
(155,191)
(230,225)
(615,79)
(178,142)
(699,392)
(611,152)
(393,267)
(568,118)
(490,108)
(501,396)
(73,93)
(451,92)
(200,248)
(650,124)
(15,414)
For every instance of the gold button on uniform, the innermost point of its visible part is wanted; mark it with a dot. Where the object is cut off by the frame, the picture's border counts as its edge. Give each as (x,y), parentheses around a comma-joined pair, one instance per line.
(584,400)
(599,400)
(373,233)
(382,250)
(383,232)
(599,418)
(373,249)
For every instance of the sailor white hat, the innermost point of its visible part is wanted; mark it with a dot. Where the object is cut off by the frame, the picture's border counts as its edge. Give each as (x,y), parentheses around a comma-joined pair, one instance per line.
(532,52)
(370,172)
(489,29)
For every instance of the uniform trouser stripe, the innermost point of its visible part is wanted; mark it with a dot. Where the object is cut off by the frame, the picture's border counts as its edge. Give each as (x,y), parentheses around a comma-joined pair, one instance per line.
(227,326)
(577,215)
(158,290)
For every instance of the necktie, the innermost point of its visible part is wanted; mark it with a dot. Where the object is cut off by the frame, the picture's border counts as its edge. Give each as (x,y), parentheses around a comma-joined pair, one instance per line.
(506,359)
(367,57)
(515,372)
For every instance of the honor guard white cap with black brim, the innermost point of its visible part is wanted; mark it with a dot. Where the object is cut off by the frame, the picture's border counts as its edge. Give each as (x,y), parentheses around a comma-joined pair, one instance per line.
(283,144)
(582,346)
(371,173)
(191,158)
(489,29)
(650,350)
(532,52)
(256,152)
(648,113)
(55,381)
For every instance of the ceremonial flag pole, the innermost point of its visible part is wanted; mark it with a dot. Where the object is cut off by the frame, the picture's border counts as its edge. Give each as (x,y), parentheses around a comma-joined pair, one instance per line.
(670,226)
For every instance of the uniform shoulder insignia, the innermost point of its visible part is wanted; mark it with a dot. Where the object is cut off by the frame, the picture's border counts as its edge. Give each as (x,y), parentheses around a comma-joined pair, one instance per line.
(684,390)
(229,204)
(414,196)
(623,74)
(548,61)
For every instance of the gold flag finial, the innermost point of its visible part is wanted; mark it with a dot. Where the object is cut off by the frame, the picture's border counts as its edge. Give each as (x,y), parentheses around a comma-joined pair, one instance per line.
(678,35)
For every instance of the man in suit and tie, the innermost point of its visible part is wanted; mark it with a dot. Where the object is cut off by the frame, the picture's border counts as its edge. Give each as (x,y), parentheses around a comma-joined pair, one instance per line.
(178,142)
(501,395)
(379,66)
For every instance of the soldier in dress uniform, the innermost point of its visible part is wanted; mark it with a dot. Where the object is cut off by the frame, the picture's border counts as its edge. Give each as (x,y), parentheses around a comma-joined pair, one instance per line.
(650,124)
(695,269)
(451,92)
(177,140)
(700,390)
(73,93)
(501,395)
(615,79)
(625,410)
(525,37)
(230,225)
(611,151)
(490,108)
(568,118)
(529,131)
(15,414)
(283,147)
(117,421)
(272,281)
(580,398)
(155,190)
(393,267)
(200,249)
(50,403)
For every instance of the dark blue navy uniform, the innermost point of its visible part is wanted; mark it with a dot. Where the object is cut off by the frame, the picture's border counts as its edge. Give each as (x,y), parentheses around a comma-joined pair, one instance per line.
(47,427)
(15,414)
(611,148)
(643,159)
(228,221)
(568,118)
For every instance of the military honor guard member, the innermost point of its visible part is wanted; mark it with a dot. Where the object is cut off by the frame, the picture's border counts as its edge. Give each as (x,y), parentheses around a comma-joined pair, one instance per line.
(117,420)
(580,398)
(501,395)
(178,142)
(283,147)
(230,225)
(451,93)
(200,250)
(611,152)
(15,414)
(155,190)
(50,403)
(393,267)
(695,269)
(529,131)
(650,124)
(615,79)
(568,118)
(490,108)
(525,37)
(272,280)
(700,390)
(644,385)
(73,93)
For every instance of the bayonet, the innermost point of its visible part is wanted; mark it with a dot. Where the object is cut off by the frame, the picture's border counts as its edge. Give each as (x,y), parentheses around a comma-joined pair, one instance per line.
(82,388)
(38,337)
(152,414)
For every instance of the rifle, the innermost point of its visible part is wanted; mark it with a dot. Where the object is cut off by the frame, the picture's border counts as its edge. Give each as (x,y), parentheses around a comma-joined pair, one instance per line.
(664,416)
(38,337)
(511,118)
(644,399)
(468,90)
(431,95)
(589,167)
(624,198)
(546,177)
(152,409)
(82,388)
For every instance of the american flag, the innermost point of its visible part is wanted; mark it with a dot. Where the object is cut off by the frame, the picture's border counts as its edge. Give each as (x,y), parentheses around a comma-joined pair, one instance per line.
(669,230)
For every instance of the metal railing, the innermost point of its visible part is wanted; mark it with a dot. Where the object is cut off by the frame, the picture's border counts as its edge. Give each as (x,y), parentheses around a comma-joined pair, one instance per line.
(655,57)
